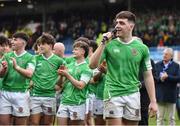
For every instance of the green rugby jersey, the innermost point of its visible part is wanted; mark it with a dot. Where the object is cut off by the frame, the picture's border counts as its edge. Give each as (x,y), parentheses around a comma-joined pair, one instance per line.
(13,80)
(45,75)
(92,87)
(72,95)
(69,59)
(100,87)
(124,60)
(72,59)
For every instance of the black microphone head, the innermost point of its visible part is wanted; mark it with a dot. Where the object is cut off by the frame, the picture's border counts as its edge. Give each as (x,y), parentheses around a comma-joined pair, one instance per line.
(114,30)
(114,33)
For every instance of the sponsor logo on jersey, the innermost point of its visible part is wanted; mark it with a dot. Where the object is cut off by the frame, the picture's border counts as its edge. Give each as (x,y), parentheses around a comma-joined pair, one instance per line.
(116,50)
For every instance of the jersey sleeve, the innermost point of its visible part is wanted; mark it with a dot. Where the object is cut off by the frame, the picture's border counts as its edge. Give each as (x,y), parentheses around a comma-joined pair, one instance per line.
(32,63)
(146,62)
(86,76)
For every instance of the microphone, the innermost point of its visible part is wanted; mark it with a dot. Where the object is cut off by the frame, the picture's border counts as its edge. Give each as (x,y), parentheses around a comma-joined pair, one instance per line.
(113,32)
(105,38)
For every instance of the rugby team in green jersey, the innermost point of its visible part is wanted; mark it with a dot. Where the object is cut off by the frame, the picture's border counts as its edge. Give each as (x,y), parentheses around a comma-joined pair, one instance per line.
(29,83)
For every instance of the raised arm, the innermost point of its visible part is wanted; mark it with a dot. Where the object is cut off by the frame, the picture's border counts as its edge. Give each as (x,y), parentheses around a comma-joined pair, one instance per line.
(96,56)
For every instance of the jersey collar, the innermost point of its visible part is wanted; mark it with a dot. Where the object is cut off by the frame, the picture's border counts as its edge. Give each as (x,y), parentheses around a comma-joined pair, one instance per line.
(80,63)
(20,54)
(126,43)
(48,57)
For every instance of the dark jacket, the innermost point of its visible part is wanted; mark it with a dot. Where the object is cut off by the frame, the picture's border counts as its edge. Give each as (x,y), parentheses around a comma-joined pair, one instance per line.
(166,91)
(144,95)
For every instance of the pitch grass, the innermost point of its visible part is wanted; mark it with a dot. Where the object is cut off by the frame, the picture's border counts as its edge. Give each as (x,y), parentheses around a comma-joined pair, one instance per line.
(152,121)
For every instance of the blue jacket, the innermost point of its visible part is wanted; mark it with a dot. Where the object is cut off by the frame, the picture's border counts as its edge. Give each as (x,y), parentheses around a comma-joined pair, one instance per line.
(167,91)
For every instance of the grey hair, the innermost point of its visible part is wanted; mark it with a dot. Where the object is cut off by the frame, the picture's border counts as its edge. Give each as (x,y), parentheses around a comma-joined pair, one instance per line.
(169,50)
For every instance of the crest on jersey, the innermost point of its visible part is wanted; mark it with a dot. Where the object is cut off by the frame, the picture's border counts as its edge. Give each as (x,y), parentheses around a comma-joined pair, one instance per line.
(134,51)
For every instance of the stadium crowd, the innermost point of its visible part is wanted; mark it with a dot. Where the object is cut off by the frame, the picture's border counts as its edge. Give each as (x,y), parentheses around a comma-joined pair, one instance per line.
(155,28)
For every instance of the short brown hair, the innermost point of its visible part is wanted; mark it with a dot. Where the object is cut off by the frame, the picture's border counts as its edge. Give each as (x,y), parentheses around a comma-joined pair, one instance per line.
(93,44)
(126,15)
(46,38)
(82,45)
(83,39)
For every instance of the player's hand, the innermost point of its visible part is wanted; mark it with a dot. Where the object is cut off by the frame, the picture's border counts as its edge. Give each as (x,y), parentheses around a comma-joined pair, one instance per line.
(14,63)
(153,109)
(4,65)
(57,88)
(63,71)
(102,67)
(62,67)
(164,76)
(107,36)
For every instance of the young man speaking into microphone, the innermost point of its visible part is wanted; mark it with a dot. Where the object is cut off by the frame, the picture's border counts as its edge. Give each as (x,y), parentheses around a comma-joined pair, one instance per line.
(125,56)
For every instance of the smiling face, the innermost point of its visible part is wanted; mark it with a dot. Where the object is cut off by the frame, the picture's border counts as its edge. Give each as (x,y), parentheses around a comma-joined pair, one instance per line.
(80,49)
(17,43)
(45,48)
(124,27)
(78,52)
(124,24)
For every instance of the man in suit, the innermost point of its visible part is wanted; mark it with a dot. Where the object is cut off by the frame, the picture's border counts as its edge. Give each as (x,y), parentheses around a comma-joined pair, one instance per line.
(168,73)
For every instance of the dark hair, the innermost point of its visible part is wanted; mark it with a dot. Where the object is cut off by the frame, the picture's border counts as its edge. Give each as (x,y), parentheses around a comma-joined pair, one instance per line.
(93,44)
(3,40)
(82,45)
(126,15)
(82,39)
(46,38)
(21,35)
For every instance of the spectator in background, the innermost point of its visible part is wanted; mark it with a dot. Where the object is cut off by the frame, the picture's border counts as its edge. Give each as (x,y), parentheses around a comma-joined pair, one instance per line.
(178,101)
(35,36)
(59,49)
(168,73)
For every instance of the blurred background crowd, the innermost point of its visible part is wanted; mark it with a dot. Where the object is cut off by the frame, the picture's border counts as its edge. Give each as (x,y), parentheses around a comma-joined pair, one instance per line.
(156,25)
